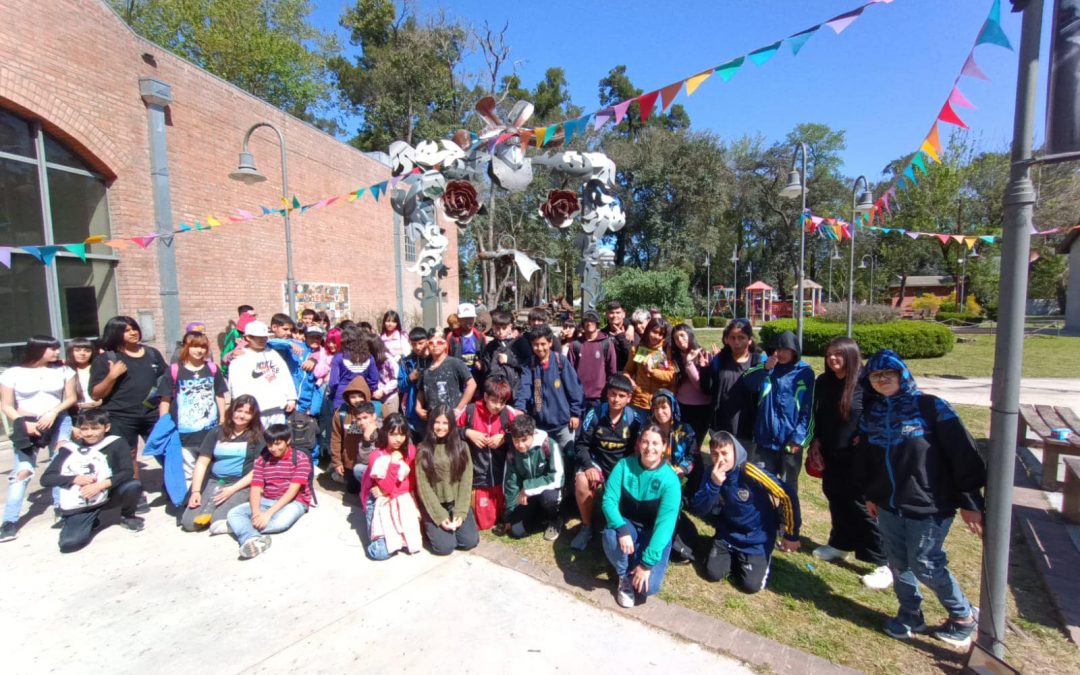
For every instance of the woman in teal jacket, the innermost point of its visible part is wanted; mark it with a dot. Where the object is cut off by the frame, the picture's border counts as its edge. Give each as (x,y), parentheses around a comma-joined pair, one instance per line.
(641,504)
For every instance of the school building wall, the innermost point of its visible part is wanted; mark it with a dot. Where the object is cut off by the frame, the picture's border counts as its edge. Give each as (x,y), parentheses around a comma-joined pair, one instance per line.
(75,66)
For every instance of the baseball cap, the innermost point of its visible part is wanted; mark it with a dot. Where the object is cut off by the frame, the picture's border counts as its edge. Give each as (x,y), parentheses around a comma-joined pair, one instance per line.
(590,315)
(256,329)
(195,327)
(314,330)
(466,310)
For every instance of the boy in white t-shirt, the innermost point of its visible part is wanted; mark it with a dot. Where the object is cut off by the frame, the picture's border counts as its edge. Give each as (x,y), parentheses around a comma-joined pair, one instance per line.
(262,373)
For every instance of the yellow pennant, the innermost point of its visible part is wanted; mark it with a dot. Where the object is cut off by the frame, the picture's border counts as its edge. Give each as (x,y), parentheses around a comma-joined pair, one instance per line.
(694,82)
(212,221)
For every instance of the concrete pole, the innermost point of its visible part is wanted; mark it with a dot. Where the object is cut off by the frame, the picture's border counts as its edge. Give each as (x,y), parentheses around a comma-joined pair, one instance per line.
(156,95)
(851,263)
(1019,205)
(802,249)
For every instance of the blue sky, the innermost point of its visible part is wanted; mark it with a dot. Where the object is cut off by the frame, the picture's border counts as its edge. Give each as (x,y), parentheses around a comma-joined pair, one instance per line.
(882,80)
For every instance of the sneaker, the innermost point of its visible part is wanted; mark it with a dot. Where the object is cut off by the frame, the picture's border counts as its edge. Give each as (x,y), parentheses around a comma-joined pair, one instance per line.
(829,554)
(58,518)
(143,506)
(625,596)
(551,532)
(879,579)
(219,527)
(202,520)
(7,531)
(905,624)
(133,523)
(254,546)
(500,529)
(955,633)
(582,538)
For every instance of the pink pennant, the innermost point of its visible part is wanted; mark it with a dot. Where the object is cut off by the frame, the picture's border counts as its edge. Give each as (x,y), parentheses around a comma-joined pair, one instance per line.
(332,200)
(143,242)
(949,115)
(885,202)
(972,69)
(913,235)
(602,118)
(5,256)
(839,23)
(816,219)
(668,94)
(246,215)
(620,110)
(957,98)
(647,102)
(943,238)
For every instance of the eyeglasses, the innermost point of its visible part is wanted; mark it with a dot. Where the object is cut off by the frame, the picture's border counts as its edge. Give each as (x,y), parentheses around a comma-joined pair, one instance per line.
(885,375)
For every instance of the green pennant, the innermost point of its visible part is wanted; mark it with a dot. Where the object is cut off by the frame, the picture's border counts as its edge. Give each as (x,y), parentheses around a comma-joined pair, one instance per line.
(727,70)
(77,249)
(918,162)
(295,202)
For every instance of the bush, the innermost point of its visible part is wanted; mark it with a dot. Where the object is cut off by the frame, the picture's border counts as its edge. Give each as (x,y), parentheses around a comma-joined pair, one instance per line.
(927,303)
(909,339)
(700,321)
(959,318)
(837,311)
(719,321)
(666,289)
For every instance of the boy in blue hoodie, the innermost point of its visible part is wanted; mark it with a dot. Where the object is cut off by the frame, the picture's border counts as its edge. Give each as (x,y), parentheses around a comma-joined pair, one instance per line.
(747,505)
(917,465)
(784,389)
(410,376)
(681,445)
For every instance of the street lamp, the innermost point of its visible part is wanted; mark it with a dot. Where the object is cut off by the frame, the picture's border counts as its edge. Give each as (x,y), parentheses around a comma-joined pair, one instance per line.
(860,205)
(796,187)
(962,300)
(735,282)
(247,174)
(835,256)
(708,289)
(862,266)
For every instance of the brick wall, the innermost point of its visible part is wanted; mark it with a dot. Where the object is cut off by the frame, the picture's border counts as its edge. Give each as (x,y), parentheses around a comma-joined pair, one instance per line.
(75,66)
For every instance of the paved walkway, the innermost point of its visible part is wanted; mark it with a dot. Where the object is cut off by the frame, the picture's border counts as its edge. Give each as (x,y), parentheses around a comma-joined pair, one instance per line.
(976,390)
(164,601)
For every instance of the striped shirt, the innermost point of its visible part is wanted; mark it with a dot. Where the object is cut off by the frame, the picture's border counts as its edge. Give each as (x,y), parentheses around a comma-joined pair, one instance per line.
(275,475)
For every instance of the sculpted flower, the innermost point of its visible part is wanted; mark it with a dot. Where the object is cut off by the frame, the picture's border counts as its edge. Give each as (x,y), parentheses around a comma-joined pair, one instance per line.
(560,208)
(460,201)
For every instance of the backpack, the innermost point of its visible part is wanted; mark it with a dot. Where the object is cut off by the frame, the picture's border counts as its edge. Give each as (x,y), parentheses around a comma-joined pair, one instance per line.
(504,419)
(305,433)
(310,477)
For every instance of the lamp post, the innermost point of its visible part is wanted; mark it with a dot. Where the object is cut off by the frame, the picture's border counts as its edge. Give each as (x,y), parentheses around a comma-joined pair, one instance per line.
(247,174)
(859,205)
(835,256)
(862,266)
(708,290)
(962,300)
(796,186)
(735,282)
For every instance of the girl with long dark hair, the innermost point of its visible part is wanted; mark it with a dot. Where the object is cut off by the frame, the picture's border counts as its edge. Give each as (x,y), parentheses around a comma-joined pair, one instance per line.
(353,360)
(35,395)
(733,406)
(838,403)
(80,354)
(444,484)
(694,402)
(193,392)
(393,519)
(393,336)
(124,377)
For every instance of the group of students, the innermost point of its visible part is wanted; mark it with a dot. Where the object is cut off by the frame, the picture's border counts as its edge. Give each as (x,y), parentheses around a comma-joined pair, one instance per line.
(443,434)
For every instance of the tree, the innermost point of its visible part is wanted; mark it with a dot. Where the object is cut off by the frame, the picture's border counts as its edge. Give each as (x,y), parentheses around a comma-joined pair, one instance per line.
(666,289)
(266,47)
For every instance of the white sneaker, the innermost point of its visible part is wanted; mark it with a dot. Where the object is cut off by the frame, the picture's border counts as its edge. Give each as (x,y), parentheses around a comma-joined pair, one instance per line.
(829,554)
(879,579)
(625,595)
(219,527)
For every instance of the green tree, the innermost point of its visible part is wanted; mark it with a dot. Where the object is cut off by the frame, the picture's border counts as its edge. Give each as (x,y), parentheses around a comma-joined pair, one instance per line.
(266,47)
(667,289)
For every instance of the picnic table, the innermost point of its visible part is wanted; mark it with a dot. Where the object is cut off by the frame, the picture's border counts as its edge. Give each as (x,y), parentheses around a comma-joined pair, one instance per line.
(1042,419)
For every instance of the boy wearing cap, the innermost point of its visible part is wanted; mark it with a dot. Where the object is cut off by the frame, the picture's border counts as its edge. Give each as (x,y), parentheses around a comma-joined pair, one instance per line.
(262,373)
(466,342)
(594,357)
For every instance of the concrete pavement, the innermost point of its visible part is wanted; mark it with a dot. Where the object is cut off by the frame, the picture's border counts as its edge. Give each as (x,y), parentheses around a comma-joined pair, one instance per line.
(165,601)
(976,390)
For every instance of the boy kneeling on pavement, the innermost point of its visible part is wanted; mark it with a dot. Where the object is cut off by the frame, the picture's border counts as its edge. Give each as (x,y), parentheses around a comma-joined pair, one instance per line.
(533,481)
(93,474)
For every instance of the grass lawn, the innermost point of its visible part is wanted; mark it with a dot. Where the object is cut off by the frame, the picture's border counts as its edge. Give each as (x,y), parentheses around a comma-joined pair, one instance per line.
(824,609)
(1043,356)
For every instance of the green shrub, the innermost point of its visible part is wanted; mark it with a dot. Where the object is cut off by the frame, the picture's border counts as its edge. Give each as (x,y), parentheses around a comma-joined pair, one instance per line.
(719,321)
(666,289)
(909,339)
(700,321)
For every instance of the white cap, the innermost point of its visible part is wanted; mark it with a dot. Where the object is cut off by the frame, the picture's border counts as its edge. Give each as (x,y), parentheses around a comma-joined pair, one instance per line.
(466,310)
(256,329)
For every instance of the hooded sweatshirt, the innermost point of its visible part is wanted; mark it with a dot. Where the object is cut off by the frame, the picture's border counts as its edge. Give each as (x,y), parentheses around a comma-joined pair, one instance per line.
(647,498)
(784,400)
(681,442)
(348,447)
(749,507)
(108,458)
(915,458)
(537,470)
(734,406)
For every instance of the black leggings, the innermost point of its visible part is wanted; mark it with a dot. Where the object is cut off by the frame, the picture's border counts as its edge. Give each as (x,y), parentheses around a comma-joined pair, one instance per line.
(77,529)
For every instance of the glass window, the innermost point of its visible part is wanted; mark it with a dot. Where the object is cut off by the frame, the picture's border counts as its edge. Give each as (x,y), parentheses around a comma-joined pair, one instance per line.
(20,204)
(410,249)
(16,136)
(87,296)
(56,153)
(79,209)
(24,308)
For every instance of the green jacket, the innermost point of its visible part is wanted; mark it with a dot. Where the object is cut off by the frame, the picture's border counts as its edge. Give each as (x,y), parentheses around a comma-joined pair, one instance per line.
(649,498)
(444,490)
(537,470)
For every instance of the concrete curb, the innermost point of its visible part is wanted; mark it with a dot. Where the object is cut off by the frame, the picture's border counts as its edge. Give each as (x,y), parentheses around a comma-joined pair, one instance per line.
(683,623)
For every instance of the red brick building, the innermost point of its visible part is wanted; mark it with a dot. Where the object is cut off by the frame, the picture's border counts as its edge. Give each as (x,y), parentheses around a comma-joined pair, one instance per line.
(75,162)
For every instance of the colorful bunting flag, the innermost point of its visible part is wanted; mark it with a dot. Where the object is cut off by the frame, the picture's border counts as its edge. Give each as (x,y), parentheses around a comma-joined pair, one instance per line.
(957,98)
(918,163)
(692,83)
(246,215)
(570,128)
(943,238)
(539,131)
(548,133)
(726,71)
(295,202)
(991,32)
(267,211)
(44,254)
(646,102)
(525,136)
(5,256)
(377,189)
(972,69)
(761,56)
(602,118)
(211,221)
(668,94)
(77,249)
(797,40)
(143,242)
(620,110)
(96,239)
(949,115)
(839,23)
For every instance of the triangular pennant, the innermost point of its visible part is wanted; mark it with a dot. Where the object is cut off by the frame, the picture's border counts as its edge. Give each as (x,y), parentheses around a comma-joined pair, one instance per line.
(972,69)
(246,215)
(929,150)
(524,136)
(77,249)
(909,173)
(934,139)
(266,211)
(949,115)
(885,202)
(353,196)
(377,190)
(944,238)
(304,208)
(332,200)
(995,11)
(958,238)
(797,40)
(184,227)
(918,162)
(886,230)
(621,108)
(913,235)
(970,241)
(118,244)
(988,238)
(44,254)
(548,133)
(583,123)
(668,94)
(5,256)
(646,102)
(839,23)
(957,98)
(200,226)
(143,242)
(212,222)
(761,56)
(570,128)
(295,202)
(96,239)
(992,34)
(692,83)
(602,118)
(726,71)
(166,239)
(235,219)
(845,231)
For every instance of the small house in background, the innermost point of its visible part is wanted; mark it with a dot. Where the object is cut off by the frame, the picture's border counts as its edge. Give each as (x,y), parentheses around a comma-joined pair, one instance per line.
(758,301)
(901,294)
(1071,247)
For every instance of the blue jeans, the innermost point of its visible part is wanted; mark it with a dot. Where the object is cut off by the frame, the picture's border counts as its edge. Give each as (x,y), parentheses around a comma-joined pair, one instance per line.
(25,461)
(624,563)
(376,549)
(914,549)
(240,519)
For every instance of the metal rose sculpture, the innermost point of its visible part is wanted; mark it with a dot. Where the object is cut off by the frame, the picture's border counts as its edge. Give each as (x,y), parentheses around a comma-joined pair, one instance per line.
(449,169)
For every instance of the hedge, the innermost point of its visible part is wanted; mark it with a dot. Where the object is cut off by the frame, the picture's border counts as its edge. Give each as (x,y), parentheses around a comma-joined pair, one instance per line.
(962,318)
(700,321)
(909,339)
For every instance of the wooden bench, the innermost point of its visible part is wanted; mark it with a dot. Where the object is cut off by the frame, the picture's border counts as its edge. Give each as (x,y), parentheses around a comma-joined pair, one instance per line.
(1070,502)
(1041,419)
